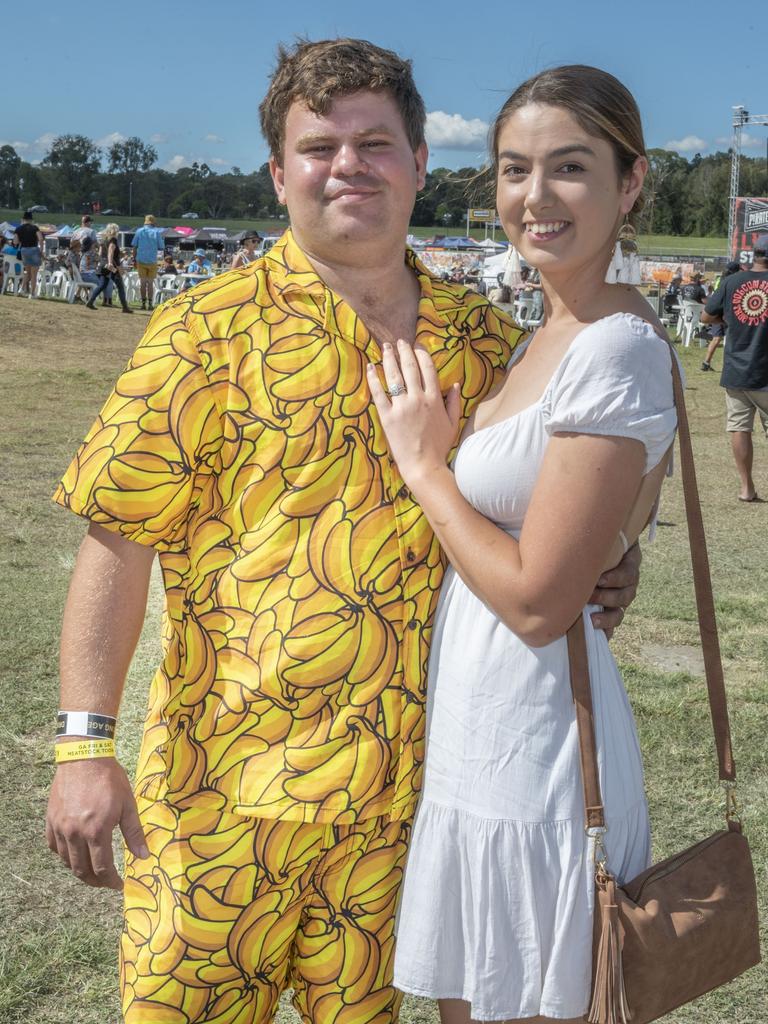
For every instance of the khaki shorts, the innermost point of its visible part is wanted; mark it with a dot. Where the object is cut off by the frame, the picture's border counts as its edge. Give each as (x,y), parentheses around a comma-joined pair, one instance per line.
(147,271)
(741,407)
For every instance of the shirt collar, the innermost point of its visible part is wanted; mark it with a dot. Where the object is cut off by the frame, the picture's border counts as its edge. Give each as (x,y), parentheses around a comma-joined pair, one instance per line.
(297,281)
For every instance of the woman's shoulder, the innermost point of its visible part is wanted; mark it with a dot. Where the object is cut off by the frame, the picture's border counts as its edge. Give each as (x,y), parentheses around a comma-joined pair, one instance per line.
(622,337)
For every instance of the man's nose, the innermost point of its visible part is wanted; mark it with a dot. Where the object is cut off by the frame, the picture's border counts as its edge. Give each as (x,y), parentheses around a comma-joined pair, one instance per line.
(349,161)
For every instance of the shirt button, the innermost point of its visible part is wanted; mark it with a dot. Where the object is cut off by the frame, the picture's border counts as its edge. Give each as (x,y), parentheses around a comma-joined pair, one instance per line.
(403,492)
(410,556)
(413,624)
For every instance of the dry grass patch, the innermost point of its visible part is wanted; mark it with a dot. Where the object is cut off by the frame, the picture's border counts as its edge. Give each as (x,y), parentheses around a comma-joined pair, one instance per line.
(57,938)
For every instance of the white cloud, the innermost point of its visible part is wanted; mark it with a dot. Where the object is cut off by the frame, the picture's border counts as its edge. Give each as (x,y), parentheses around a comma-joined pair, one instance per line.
(751,142)
(688,144)
(109,140)
(176,162)
(32,151)
(210,137)
(158,138)
(452,131)
(218,162)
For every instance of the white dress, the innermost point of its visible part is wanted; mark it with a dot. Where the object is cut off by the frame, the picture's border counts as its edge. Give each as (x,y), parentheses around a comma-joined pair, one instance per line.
(497,900)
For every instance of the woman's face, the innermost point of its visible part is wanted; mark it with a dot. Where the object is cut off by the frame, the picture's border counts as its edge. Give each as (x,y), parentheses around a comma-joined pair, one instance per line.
(558,194)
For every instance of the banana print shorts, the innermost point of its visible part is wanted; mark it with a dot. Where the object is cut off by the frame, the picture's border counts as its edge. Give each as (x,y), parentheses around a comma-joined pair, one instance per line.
(228,911)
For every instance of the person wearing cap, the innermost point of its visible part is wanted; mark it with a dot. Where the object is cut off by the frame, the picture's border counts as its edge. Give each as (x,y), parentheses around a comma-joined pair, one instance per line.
(717,331)
(741,303)
(29,239)
(247,253)
(694,291)
(200,264)
(147,242)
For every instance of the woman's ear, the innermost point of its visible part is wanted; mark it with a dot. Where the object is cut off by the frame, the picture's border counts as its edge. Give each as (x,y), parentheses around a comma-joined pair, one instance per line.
(633,184)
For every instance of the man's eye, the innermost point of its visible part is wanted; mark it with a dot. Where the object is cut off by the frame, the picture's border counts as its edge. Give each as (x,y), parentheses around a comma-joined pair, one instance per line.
(374,142)
(571,168)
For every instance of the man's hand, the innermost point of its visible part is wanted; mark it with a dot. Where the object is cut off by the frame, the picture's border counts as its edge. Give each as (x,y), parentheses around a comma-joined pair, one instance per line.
(616,590)
(88,800)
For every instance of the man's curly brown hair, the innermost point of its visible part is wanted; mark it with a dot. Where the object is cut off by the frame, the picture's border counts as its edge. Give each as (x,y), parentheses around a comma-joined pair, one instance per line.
(315,73)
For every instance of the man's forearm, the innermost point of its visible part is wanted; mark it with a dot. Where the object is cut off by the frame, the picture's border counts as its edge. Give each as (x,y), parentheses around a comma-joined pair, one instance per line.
(103,617)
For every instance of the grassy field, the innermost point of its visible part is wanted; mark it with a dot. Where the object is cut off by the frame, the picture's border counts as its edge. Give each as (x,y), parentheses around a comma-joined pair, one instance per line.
(57,938)
(657,244)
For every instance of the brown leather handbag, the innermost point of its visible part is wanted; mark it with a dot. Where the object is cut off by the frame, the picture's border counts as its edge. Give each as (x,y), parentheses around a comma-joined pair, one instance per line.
(688,924)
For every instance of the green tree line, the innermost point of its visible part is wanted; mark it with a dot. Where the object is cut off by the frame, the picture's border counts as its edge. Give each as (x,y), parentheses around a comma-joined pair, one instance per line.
(684,196)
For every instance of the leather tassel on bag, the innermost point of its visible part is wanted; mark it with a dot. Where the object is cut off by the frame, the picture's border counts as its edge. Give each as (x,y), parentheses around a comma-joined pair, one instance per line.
(609,998)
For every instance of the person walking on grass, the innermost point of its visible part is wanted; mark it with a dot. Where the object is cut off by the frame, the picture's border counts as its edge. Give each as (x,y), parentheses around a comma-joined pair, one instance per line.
(110,259)
(717,330)
(29,239)
(147,243)
(282,753)
(741,304)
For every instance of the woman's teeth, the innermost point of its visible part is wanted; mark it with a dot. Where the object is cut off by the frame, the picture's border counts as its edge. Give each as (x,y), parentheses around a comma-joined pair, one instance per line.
(549,228)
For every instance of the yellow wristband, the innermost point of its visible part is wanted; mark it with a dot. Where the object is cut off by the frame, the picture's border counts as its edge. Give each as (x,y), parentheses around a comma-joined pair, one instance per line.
(83,750)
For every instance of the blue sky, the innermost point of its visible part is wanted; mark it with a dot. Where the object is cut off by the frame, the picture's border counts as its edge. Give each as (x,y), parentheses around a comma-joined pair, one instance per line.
(189,77)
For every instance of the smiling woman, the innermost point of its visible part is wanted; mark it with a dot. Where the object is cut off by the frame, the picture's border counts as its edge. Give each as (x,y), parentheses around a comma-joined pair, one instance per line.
(555,476)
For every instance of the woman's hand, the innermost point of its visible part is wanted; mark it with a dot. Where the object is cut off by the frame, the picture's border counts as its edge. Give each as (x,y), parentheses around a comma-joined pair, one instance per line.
(420,425)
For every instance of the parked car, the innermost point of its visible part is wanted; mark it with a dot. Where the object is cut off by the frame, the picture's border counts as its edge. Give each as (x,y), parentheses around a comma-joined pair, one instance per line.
(38,209)
(191,216)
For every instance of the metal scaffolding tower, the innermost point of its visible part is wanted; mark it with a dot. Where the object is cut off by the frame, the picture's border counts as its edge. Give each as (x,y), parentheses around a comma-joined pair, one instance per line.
(740,118)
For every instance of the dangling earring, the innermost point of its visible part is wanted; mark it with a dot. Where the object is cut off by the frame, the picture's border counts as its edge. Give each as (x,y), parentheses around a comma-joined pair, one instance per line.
(512,276)
(624,267)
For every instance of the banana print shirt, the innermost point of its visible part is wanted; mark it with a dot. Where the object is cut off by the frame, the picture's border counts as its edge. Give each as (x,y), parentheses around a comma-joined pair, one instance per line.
(301,578)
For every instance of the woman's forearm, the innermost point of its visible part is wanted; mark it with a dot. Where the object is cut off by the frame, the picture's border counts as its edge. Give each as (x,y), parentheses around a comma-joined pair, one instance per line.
(538,584)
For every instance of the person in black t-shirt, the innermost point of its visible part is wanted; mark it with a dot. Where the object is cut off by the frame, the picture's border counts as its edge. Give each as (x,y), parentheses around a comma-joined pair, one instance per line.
(110,268)
(693,291)
(741,302)
(29,238)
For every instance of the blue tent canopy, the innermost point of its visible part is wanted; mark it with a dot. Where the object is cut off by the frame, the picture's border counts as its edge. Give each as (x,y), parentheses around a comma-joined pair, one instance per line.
(455,242)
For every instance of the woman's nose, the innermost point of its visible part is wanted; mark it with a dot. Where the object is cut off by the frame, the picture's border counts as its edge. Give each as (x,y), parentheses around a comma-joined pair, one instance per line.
(538,193)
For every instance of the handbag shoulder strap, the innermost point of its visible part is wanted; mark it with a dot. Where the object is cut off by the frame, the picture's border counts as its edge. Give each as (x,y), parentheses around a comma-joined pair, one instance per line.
(713,666)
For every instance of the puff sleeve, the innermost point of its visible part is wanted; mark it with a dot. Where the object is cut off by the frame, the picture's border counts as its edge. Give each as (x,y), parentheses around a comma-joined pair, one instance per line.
(615,380)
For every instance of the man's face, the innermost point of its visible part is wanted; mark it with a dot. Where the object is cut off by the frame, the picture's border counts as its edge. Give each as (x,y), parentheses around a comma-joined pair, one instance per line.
(348,176)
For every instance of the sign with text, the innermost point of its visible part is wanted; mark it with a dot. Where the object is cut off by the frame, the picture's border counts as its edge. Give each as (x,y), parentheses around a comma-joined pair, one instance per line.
(750,222)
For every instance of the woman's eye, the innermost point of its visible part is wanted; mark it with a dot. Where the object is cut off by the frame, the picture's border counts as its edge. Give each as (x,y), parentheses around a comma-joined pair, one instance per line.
(571,168)
(513,170)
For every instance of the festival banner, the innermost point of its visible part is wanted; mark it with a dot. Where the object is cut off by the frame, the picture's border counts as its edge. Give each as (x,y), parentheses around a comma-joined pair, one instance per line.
(750,222)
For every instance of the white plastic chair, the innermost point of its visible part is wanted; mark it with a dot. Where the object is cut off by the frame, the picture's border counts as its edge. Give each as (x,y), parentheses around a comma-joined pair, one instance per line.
(77,284)
(690,317)
(58,284)
(44,278)
(167,287)
(131,284)
(13,271)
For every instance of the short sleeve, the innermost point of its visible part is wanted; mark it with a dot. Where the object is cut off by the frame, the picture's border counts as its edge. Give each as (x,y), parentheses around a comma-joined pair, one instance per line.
(144,462)
(615,380)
